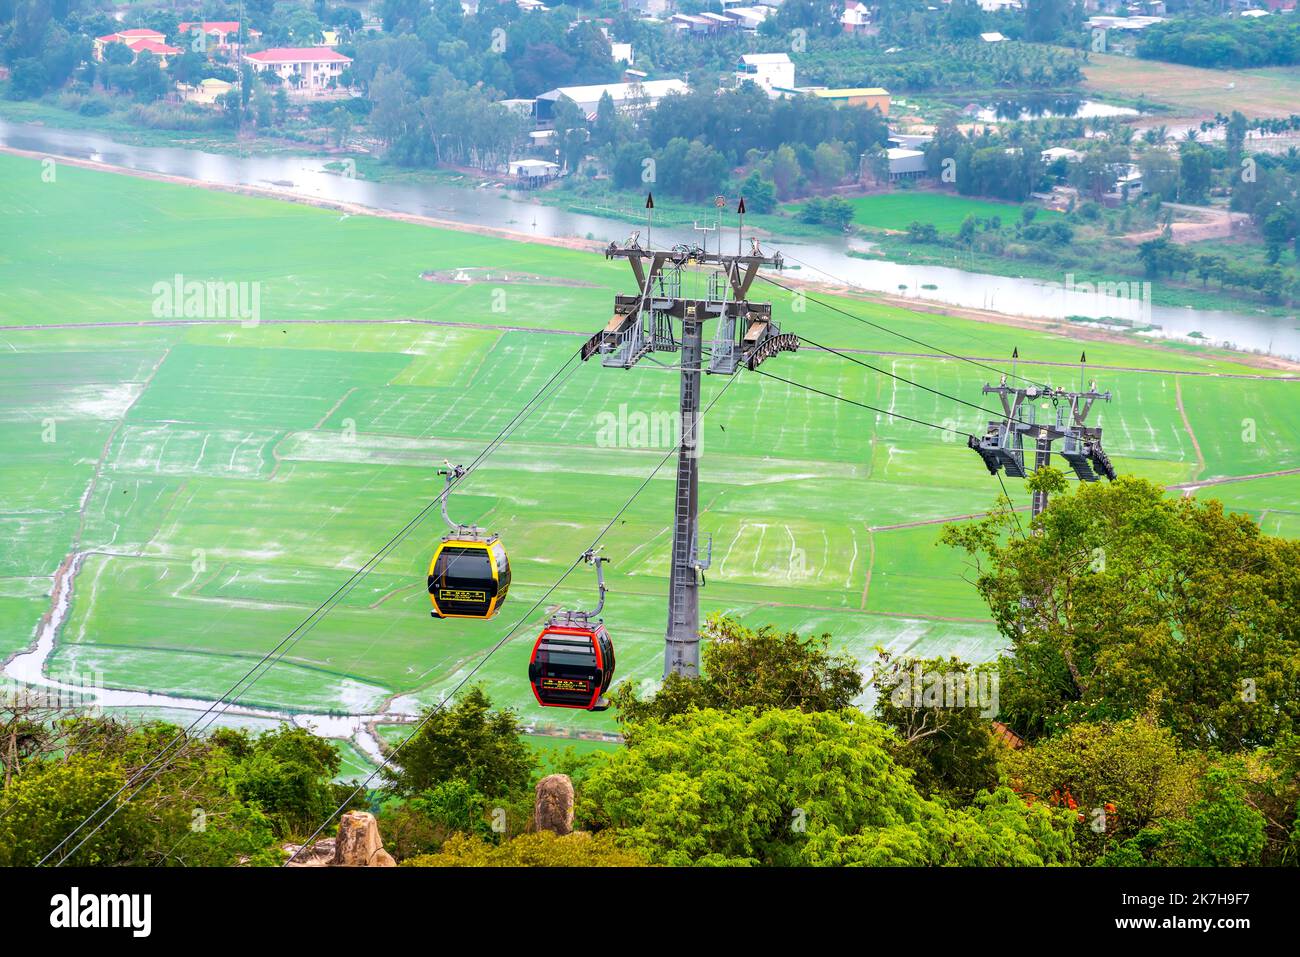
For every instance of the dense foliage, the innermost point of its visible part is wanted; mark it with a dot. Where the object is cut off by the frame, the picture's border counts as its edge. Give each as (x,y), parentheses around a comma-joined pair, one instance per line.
(746,668)
(1220,42)
(226,799)
(1129,601)
(789,787)
(959,66)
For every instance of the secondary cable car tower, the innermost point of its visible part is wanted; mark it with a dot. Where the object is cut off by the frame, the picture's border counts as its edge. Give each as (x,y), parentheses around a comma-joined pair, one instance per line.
(659,317)
(1003,445)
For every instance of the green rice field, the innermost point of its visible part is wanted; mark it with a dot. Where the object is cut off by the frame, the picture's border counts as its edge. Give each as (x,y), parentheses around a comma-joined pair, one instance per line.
(221,478)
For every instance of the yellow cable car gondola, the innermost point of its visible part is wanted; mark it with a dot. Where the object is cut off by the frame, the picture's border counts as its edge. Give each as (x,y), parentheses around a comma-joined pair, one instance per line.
(469,575)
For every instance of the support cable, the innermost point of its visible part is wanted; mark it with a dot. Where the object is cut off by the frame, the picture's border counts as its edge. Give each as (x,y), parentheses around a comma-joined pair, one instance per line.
(883,328)
(504,638)
(275,654)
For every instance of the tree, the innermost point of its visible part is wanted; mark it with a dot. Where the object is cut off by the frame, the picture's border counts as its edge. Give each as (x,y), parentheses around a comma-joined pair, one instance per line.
(340,121)
(1129,602)
(1120,776)
(1195,169)
(744,668)
(571,134)
(945,741)
(1221,830)
(784,787)
(148,81)
(922,233)
(786,173)
(1159,173)
(28,80)
(830,164)
(468,741)
(45,804)
(190,813)
(286,773)
(1045,19)
(759,193)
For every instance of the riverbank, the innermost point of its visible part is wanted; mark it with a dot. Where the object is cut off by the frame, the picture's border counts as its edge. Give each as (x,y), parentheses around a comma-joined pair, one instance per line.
(226,141)
(896,248)
(877,240)
(913,303)
(273,192)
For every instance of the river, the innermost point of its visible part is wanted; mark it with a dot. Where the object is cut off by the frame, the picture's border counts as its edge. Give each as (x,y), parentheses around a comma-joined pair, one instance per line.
(1126,298)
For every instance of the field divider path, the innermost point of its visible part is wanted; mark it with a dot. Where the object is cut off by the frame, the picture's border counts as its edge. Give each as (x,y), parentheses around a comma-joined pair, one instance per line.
(1187,424)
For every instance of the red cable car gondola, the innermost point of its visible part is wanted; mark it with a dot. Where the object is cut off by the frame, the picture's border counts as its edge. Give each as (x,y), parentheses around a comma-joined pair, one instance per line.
(572,663)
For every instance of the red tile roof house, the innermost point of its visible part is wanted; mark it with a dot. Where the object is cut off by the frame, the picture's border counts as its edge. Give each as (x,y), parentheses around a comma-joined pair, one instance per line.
(308,70)
(221,34)
(137,40)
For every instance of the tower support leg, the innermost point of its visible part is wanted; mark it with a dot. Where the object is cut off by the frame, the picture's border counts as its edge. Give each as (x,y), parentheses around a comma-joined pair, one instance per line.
(682,646)
(1042,455)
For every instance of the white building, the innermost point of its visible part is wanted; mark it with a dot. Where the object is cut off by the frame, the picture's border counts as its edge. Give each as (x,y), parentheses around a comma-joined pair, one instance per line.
(1122,23)
(533,172)
(856,17)
(749,18)
(626,96)
(1054,153)
(768,70)
(905,164)
(305,69)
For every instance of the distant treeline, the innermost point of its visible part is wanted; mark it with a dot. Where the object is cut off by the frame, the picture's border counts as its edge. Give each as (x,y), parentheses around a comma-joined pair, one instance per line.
(1217,42)
(965,65)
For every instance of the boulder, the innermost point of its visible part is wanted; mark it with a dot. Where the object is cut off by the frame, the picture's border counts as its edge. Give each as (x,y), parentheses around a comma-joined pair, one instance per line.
(359,843)
(553,810)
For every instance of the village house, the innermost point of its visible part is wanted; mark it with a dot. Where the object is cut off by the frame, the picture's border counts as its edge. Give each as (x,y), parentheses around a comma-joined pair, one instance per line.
(771,71)
(309,70)
(205,92)
(219,35)
(532,173)
(137,40)
(749,18)
(856,18)
(650,8)
(627,97)
(867,97)
(905,163)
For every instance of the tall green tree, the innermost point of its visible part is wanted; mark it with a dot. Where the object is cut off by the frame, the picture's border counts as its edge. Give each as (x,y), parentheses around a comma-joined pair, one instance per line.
(783,787)
(1128,601)
(746,668)
(468,741)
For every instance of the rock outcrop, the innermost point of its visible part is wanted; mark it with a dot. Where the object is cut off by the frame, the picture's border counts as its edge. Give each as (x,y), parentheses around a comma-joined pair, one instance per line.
(358,844)
(553,810)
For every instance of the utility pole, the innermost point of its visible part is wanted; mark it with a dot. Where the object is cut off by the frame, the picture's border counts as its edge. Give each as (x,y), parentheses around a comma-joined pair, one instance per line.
(648,321)
(1028,415)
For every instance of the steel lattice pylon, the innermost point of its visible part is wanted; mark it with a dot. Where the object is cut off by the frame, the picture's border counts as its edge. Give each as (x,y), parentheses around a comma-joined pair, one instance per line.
(1038,416)
(649,321)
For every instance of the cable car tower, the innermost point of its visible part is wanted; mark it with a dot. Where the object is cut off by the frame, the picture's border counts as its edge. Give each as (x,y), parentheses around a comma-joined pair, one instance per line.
(660,318)
(1003,445)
